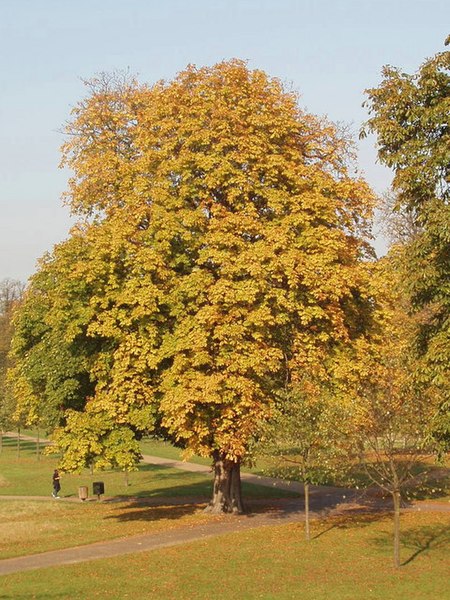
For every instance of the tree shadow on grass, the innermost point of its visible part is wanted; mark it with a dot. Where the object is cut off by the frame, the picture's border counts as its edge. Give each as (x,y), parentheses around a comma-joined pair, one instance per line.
(422,539)
(356,509)
(171,482)
(337,509)
(418,539)
(169,501)
(177,501)
(352,519)
(141,511)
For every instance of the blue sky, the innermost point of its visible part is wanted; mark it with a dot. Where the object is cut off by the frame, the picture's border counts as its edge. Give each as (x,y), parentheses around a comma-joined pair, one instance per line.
(329,51)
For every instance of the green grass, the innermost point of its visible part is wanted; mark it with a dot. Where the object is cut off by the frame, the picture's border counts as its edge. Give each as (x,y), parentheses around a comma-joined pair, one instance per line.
(32,526)
(27,476)
(348,559)
(436,487)
(29,526)
(158,447)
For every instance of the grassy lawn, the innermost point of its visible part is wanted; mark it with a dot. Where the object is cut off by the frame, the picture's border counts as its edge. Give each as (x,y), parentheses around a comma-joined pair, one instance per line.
(31,477)
(348,559)
(28,476)
(435,486)
(158,447)
(30,526)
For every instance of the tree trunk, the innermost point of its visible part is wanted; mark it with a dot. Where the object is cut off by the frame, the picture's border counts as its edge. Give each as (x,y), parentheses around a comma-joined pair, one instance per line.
(227,494)
(127,483)
(306,489)
(38,453)
(18,442)
(396,498)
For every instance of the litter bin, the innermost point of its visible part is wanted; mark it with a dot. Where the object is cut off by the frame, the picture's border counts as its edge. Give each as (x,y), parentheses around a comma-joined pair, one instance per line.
(83,492)
(98,488)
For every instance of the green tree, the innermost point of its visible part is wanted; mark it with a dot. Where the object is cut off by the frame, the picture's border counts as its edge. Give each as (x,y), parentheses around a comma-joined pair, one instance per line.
(50,371)
(10,296)
(394,409)
(69,356)
(308,438)
(409,114)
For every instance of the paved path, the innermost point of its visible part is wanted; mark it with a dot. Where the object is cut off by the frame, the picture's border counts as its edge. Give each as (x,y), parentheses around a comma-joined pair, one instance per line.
(292,486)
(282,511)
(219,526)
(330,500)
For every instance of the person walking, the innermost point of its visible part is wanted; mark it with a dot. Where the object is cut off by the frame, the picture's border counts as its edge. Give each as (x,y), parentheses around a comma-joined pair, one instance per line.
(56,483)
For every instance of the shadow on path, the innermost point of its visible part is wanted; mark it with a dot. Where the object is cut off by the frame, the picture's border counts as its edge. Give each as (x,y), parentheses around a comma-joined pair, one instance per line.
(325,501)
(263,513)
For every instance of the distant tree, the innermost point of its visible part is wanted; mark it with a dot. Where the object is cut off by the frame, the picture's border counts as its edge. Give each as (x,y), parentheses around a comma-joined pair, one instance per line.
(397,224)
(10,295)
(409,114)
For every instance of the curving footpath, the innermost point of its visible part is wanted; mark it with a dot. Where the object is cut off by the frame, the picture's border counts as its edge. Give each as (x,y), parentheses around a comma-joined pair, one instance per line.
(328,500)
(142,543)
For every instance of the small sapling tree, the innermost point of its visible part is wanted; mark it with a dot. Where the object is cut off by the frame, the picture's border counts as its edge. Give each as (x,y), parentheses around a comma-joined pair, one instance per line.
(306,440)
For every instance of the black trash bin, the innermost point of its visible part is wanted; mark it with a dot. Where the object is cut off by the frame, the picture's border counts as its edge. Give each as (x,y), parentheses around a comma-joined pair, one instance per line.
(98,488)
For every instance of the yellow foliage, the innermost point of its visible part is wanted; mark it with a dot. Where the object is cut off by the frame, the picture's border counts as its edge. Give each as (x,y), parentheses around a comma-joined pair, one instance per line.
(223,239)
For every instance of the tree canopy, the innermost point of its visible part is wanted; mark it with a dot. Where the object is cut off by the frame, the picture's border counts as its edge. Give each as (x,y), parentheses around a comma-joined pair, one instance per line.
(10,296)
(218,257)
(409,114)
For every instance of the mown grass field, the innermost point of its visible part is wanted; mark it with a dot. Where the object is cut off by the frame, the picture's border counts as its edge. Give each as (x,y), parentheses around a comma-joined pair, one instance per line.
(26,475)
(30,526)
(436,485)
(348,559)
(432,481)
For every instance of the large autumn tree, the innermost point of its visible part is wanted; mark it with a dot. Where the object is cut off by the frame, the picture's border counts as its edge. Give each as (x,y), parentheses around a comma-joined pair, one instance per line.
(409,114)
(227,231)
